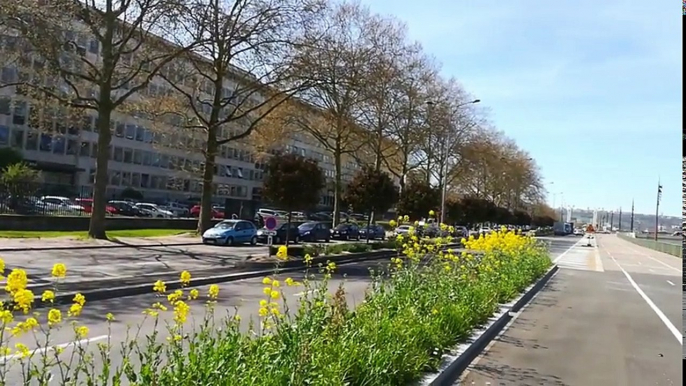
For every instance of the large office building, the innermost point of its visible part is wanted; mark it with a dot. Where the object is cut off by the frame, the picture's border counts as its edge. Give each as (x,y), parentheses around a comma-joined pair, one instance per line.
(139,159)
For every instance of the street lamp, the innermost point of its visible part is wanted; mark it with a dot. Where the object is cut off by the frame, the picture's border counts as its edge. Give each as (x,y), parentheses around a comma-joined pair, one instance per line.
(444,167)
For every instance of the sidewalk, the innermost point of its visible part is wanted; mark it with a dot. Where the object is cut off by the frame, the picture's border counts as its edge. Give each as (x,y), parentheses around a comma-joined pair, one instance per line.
(61,243)
(591,327)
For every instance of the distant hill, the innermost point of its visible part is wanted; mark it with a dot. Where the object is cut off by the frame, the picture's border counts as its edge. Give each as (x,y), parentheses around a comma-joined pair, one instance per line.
(641,221)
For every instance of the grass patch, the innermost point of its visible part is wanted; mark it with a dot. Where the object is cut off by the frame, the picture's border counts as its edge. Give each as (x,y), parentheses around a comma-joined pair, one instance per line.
(84,235)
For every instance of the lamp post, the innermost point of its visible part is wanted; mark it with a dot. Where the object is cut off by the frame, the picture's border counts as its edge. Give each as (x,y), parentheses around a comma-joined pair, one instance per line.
(444,167)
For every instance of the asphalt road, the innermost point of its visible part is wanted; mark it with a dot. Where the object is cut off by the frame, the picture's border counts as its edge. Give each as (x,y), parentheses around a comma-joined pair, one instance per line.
(240,296)
(129,264)
(609,317)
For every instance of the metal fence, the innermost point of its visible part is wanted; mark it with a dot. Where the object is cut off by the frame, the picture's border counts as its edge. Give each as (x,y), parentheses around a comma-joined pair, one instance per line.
(664,247)
(45,199)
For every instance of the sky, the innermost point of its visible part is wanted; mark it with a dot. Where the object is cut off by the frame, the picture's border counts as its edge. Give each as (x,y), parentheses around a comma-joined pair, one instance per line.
(592,89)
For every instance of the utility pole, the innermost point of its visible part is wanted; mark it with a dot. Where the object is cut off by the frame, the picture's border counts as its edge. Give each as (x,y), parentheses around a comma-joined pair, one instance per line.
(657,208)
(619,227)
(612,220)
(632,216)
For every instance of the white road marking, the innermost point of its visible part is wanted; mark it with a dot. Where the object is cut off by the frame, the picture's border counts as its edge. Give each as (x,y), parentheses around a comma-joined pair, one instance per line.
(654,259)
(675,331)
(52,348)
(670,283)
(567,251)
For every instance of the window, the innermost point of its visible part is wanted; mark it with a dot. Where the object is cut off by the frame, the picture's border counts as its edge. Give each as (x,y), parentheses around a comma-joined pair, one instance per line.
(118,154)
(17,139)
(94,46)
(135,180)
(5,106)
(140,133)
(94,150)
(239,172)
(147,158)
(155,182)
(137,157)
(71,146)
(119,132)
(126,179)
(46,142)
(8,75)
(130,131)
(164,161)
(145,180)
(128,156)
(58,145)
(147,136)
(32,140)
(85,149)
(87,123)
(19,116)
(116,178)
(4,135)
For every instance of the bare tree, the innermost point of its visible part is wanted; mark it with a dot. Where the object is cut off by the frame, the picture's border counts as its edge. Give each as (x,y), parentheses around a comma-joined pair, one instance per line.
(335,56)
(95,55)
(237,76)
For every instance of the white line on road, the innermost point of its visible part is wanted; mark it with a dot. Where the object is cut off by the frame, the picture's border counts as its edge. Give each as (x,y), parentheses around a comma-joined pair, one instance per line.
(652,258)
(675,331)
(670,283)
(568,249)
(52,348)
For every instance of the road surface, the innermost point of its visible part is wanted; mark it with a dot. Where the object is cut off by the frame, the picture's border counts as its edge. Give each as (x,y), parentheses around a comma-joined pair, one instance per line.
(609,317)
(243,295)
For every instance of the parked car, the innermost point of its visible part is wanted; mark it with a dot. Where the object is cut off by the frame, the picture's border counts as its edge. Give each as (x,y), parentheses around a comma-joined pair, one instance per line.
(314,231)
(375,232)
(281,231)
(402,230)
(320,216)
(195,212)
(578,232)
(231,232)
(460,231)
(345,231)
(154,210)
(59,203)
(179,210)
(87,204)
(125,208)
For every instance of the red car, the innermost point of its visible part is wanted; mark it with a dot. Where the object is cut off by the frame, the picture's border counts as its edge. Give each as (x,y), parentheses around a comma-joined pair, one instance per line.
(87,204)
(195,212)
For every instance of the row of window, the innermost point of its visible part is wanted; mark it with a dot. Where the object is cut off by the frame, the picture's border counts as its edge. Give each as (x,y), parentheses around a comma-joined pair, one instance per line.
(117,178)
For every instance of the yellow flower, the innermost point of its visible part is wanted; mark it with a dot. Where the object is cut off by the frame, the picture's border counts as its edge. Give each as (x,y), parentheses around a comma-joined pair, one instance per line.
(109,317)
(175,296)
(263,303)
(81,332)
(330,266)
(59,270)
(22,350)
(193,294)
(6,316)
(267,281)
(5,351)
(432,213)
(274,294)
(2,267)
(392,223)
(175,338)
(54,316)
(263,311)
(159,287)
(307,259)
(151,312)
(30,324)
(75,310)
(275,312)
(213,292)
(237,318)
(282,253)
(185,278)
(289,282)
(181,310)
(275,283)
(16,280)
(159,306)
(79,299)
(48,296)
(267,290)
(23,300)
(406,218)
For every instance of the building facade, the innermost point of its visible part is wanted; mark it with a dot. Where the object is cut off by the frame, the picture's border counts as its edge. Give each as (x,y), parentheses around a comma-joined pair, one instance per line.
(141,158)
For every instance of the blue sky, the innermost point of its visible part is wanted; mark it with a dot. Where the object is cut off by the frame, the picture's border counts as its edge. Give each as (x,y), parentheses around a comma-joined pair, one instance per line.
(592,89)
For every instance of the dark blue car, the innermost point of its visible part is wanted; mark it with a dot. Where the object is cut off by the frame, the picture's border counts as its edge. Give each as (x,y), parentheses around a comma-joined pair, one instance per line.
(375,232)
(314,231)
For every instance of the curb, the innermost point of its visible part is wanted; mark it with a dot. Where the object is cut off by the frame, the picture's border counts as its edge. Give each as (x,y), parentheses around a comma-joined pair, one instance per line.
(451,373)
(141,289)
(81,247)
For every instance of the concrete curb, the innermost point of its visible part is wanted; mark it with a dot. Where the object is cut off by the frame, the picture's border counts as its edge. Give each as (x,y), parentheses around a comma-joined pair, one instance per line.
(81,247)
(449,374)
(145,288)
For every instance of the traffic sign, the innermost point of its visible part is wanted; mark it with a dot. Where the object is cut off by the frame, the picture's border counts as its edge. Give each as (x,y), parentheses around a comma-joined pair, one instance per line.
(270,223)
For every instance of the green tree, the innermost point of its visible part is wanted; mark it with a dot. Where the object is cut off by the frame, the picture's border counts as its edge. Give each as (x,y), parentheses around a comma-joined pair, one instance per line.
(131,194)
(371,191)
(418,199)
(9,156)
(292,183)
(18,181)
(522,218)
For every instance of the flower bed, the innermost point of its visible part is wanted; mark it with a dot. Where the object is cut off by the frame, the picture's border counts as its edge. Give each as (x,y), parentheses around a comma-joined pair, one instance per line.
(427,302)
(332,249)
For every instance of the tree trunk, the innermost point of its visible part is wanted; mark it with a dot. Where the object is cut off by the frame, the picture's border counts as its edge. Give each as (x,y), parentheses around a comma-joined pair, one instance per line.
(337,189)
(288,226)
(96,227)
(369,223)
(205,218)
